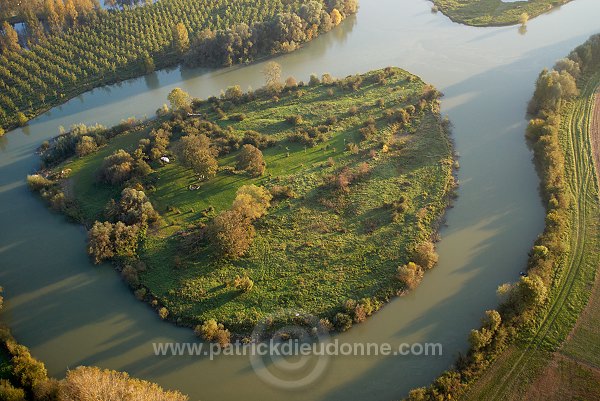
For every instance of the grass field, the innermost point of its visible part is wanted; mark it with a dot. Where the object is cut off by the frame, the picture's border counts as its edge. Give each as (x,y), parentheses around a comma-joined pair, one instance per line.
(524,369)
(493,12)
(307,254)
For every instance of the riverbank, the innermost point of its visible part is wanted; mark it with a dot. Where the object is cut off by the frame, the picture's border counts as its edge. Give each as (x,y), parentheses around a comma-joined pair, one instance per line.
(60,67)
(547,349)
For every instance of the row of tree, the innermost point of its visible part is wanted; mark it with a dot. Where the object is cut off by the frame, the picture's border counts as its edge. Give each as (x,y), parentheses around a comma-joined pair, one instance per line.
(120,45)
(523,301)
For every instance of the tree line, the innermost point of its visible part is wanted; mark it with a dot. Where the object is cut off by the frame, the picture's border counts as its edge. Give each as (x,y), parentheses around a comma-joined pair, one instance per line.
(523,302)
(121,45)
(26,378)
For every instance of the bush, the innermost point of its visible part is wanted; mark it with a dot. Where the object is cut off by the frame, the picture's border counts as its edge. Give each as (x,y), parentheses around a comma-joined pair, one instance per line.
(252,201)
(238,117)
(258,140)
(243,283)
(10,393)
(38,182)
(410,275)
(100,245)
(314,80)
(163,313)
(294,120)
(425,255)
(85,146)
(134,207)
(282,192)
(251,160)
(342,321)
(213,331)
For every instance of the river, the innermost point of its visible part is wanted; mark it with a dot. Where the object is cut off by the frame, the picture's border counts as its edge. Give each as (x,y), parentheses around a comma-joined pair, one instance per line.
(71,313)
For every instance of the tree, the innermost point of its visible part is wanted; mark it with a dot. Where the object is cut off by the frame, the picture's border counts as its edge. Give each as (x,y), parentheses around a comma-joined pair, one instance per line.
(231,234)
(125,239)
(52,16)
(93,384)
(100,245)
(251,160)
(179,99)
(134,207)
(181,40)
(410,275)
(336,17)
(85,146)
(10,40)
(196,153)
(523,19)
(252,201)
(272,73)
(117,168)
(233,93)
(71,12)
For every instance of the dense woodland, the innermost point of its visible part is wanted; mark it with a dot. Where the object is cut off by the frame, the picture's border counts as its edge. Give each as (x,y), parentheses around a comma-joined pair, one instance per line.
(523,303)
(76,47)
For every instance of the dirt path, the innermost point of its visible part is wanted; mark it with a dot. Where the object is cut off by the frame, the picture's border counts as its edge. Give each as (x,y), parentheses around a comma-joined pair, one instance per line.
(595,134)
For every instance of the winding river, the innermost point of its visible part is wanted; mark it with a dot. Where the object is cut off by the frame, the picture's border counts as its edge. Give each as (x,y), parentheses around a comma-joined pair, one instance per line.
(71,313)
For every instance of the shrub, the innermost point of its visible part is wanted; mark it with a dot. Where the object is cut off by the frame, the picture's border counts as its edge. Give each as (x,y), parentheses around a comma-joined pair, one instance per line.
(238,117)
(425,255)
(291,82)
(163,313)
(252,201)
(38,182)
(233,93)
(243,283)
(85,146)
(314,80)
(342,321)
(134,207)
(282,192)
(353,110)
(100,245)
(410,275)
(331,120)
(10,393)
(251,160)
(258,140)
(294,120)
(213,331)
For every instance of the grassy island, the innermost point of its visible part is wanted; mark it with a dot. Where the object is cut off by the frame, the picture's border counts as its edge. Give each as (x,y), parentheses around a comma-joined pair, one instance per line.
(494,12)
(323,197)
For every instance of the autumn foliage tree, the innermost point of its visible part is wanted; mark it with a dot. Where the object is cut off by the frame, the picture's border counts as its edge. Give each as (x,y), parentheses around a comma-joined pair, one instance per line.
(251,160)
(231,232)
(196,152)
